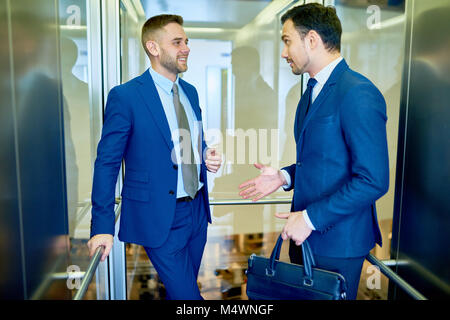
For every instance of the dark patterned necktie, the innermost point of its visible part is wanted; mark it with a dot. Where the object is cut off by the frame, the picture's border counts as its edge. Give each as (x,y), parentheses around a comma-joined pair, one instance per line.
(308,96)
(188,166)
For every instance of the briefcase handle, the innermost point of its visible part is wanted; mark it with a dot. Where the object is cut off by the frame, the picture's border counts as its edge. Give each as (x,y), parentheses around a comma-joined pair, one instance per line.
(308,260)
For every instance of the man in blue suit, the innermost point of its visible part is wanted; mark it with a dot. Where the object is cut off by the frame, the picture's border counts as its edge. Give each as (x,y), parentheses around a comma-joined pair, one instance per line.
(342,159)
(153,122)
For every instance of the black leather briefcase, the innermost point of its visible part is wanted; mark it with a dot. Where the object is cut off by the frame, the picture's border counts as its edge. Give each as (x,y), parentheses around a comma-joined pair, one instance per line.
(271,279)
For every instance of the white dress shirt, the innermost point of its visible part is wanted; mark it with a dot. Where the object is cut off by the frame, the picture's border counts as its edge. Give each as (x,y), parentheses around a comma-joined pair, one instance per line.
(321,77)
(164,88)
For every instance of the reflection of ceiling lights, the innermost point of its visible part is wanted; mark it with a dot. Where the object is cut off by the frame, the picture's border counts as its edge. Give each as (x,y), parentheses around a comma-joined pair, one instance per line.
(77,28)
(134,9)
(139,9)
(208,30)
(392,22)
(130,10)
(272,9)
(215,13)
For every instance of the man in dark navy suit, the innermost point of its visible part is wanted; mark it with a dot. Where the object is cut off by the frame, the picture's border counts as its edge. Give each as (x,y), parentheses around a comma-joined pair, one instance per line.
(342,163)
(153,122)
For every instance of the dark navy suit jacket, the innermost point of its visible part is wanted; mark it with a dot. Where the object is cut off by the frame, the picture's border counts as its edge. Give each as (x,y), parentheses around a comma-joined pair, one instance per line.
(342,164)
(136,129)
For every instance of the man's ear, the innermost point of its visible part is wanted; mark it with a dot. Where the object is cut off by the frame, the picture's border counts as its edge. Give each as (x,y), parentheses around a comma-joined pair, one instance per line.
(152,47)
(313,39)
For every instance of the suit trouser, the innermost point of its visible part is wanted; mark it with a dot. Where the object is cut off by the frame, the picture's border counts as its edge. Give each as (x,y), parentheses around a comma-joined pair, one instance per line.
(350,268)
(178,260)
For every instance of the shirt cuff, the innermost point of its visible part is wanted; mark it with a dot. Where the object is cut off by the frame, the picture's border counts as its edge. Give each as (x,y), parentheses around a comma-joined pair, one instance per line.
(307,220)
(288,179)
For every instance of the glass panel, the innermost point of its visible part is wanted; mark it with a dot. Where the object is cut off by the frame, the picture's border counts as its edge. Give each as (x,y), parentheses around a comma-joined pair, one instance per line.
(233,65)
(225,258)
(234,79)
(79,126)
(133,58)
(45,71)
(373,285)
(243,83)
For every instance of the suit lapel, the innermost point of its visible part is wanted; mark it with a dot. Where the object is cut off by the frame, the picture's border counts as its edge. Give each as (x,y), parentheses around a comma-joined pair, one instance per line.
(297,129)
(327,88)
(150,95)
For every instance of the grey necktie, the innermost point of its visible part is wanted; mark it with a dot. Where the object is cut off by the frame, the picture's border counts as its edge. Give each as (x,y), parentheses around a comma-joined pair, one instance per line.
(188,166)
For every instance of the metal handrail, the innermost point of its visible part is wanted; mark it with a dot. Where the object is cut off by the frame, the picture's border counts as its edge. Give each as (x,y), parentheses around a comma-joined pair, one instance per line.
(383,265)
(118,210)
(93,264)
(396,278)
(371,258)
(89,273)
(239,202)
(226,202)
(229,202)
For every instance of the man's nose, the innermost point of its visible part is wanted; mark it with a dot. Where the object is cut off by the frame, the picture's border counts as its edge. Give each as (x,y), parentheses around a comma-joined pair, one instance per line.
(185,49)
(284,53)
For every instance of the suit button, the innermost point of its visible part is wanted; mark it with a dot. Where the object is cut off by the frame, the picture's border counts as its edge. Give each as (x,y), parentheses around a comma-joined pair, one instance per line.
(299,164)
(175,167)
(171,192)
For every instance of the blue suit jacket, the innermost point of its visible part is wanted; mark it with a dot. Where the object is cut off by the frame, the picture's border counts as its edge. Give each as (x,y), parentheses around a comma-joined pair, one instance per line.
(136,129)
(342,164)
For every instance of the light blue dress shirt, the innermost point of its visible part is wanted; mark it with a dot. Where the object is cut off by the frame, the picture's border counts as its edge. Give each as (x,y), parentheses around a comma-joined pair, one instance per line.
(164,88)
(321,77)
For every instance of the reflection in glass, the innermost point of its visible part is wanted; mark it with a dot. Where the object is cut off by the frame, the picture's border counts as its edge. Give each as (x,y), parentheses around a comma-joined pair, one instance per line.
(423,212)
(134,58)
(11,280)
(35,204)
(78,126)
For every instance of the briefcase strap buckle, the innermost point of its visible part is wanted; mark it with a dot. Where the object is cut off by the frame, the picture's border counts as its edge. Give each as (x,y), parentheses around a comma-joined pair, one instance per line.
(270,273)
(309,282)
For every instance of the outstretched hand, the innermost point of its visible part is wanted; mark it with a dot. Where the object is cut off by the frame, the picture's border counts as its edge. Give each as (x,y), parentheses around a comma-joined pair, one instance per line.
(266,183)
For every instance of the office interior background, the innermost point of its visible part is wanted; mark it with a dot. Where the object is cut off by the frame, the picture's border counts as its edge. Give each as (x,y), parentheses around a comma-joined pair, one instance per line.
(60,58)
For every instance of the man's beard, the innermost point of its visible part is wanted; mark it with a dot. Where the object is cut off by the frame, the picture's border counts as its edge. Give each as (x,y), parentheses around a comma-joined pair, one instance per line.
(300,71)
(171,63)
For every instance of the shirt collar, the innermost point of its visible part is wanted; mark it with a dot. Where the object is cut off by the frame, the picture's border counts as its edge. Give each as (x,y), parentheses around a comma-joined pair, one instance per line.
(324,74)
(162,81)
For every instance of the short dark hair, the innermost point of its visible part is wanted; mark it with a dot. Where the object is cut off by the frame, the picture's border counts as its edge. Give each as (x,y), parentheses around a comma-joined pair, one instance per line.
(323,20)
(156,23)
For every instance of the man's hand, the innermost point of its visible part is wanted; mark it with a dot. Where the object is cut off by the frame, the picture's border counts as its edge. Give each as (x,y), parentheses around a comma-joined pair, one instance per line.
(105,240)
(213,160)
(266,183)
(295,227)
